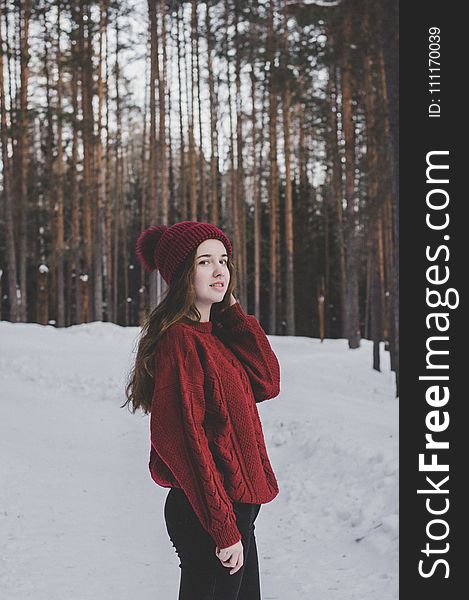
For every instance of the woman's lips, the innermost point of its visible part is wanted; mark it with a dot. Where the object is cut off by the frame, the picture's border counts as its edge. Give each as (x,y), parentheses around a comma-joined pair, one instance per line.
(217,287)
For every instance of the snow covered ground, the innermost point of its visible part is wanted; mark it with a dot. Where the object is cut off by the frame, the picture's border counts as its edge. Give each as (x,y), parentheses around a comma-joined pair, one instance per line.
(81,519)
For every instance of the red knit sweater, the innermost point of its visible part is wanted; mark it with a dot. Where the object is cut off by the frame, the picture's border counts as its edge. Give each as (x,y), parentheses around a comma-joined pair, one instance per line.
(206,435)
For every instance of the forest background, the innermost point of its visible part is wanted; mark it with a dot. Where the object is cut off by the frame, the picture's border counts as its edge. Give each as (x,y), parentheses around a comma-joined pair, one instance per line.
(275,120)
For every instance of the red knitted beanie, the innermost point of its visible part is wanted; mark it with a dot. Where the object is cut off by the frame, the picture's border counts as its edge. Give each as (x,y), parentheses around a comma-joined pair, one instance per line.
(165,248)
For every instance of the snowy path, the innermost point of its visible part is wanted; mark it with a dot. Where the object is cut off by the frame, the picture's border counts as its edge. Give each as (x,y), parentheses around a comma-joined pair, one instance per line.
(81,519)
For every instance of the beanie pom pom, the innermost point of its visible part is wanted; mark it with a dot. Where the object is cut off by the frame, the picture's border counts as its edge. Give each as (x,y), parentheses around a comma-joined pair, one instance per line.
(146,244)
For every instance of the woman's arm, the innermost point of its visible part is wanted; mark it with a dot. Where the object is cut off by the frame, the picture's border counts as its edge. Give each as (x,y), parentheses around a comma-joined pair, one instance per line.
(177,434)
(243,334)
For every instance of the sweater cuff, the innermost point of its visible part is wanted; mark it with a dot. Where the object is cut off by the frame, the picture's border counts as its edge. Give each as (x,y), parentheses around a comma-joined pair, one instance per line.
(227,536)
(232,316)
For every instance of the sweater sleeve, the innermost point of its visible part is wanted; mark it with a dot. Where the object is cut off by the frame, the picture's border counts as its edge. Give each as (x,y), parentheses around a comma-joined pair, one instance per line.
(243,334)
(178,436)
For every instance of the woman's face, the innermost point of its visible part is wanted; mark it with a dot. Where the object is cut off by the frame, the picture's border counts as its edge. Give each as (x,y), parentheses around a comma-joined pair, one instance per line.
(211,266)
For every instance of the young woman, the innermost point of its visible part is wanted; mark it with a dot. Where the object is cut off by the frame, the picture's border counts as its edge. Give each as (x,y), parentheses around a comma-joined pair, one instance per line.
(202,364)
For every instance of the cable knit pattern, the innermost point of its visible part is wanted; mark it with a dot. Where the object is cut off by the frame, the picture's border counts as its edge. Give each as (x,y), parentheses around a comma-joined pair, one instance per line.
(206,435)
(244,335)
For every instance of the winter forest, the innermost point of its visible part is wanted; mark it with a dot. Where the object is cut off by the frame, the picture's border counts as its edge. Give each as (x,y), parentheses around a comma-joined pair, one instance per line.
(275,120)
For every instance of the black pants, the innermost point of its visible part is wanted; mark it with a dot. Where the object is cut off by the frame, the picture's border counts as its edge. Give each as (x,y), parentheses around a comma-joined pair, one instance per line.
(203,577)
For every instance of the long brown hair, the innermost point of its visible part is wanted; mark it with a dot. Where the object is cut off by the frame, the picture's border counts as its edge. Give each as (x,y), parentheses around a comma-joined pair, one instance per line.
(177,305)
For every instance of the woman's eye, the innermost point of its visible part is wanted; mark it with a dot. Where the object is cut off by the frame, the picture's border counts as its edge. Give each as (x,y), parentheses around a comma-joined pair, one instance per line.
(204,261)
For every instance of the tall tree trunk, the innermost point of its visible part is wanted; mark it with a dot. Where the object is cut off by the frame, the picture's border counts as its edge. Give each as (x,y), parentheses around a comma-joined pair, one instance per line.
(262,162)
(75,252)
(119,218)
(239,182)
(169,115)
(111,309)
(233,200)
(163,162)
(336,189)
(202,184)
(193,183)
(326,199)
(372,191)
(286,106)
(368,283)
(98,178)
(87,120)
(123,177)
(376,324)
(59,177)
(153,208)
(182,145)
(7,197)
(24,160)
(302,225)
(389,23)
(351,240)
(163,144)
(46,301)
(214,213)
(388,235)
(382,276)
(142,290)
(255,185)
(321,302)
(274,191)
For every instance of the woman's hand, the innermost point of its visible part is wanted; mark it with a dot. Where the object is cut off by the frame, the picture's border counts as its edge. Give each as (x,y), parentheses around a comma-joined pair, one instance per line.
(232,301)
(219,307)
(231,556)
